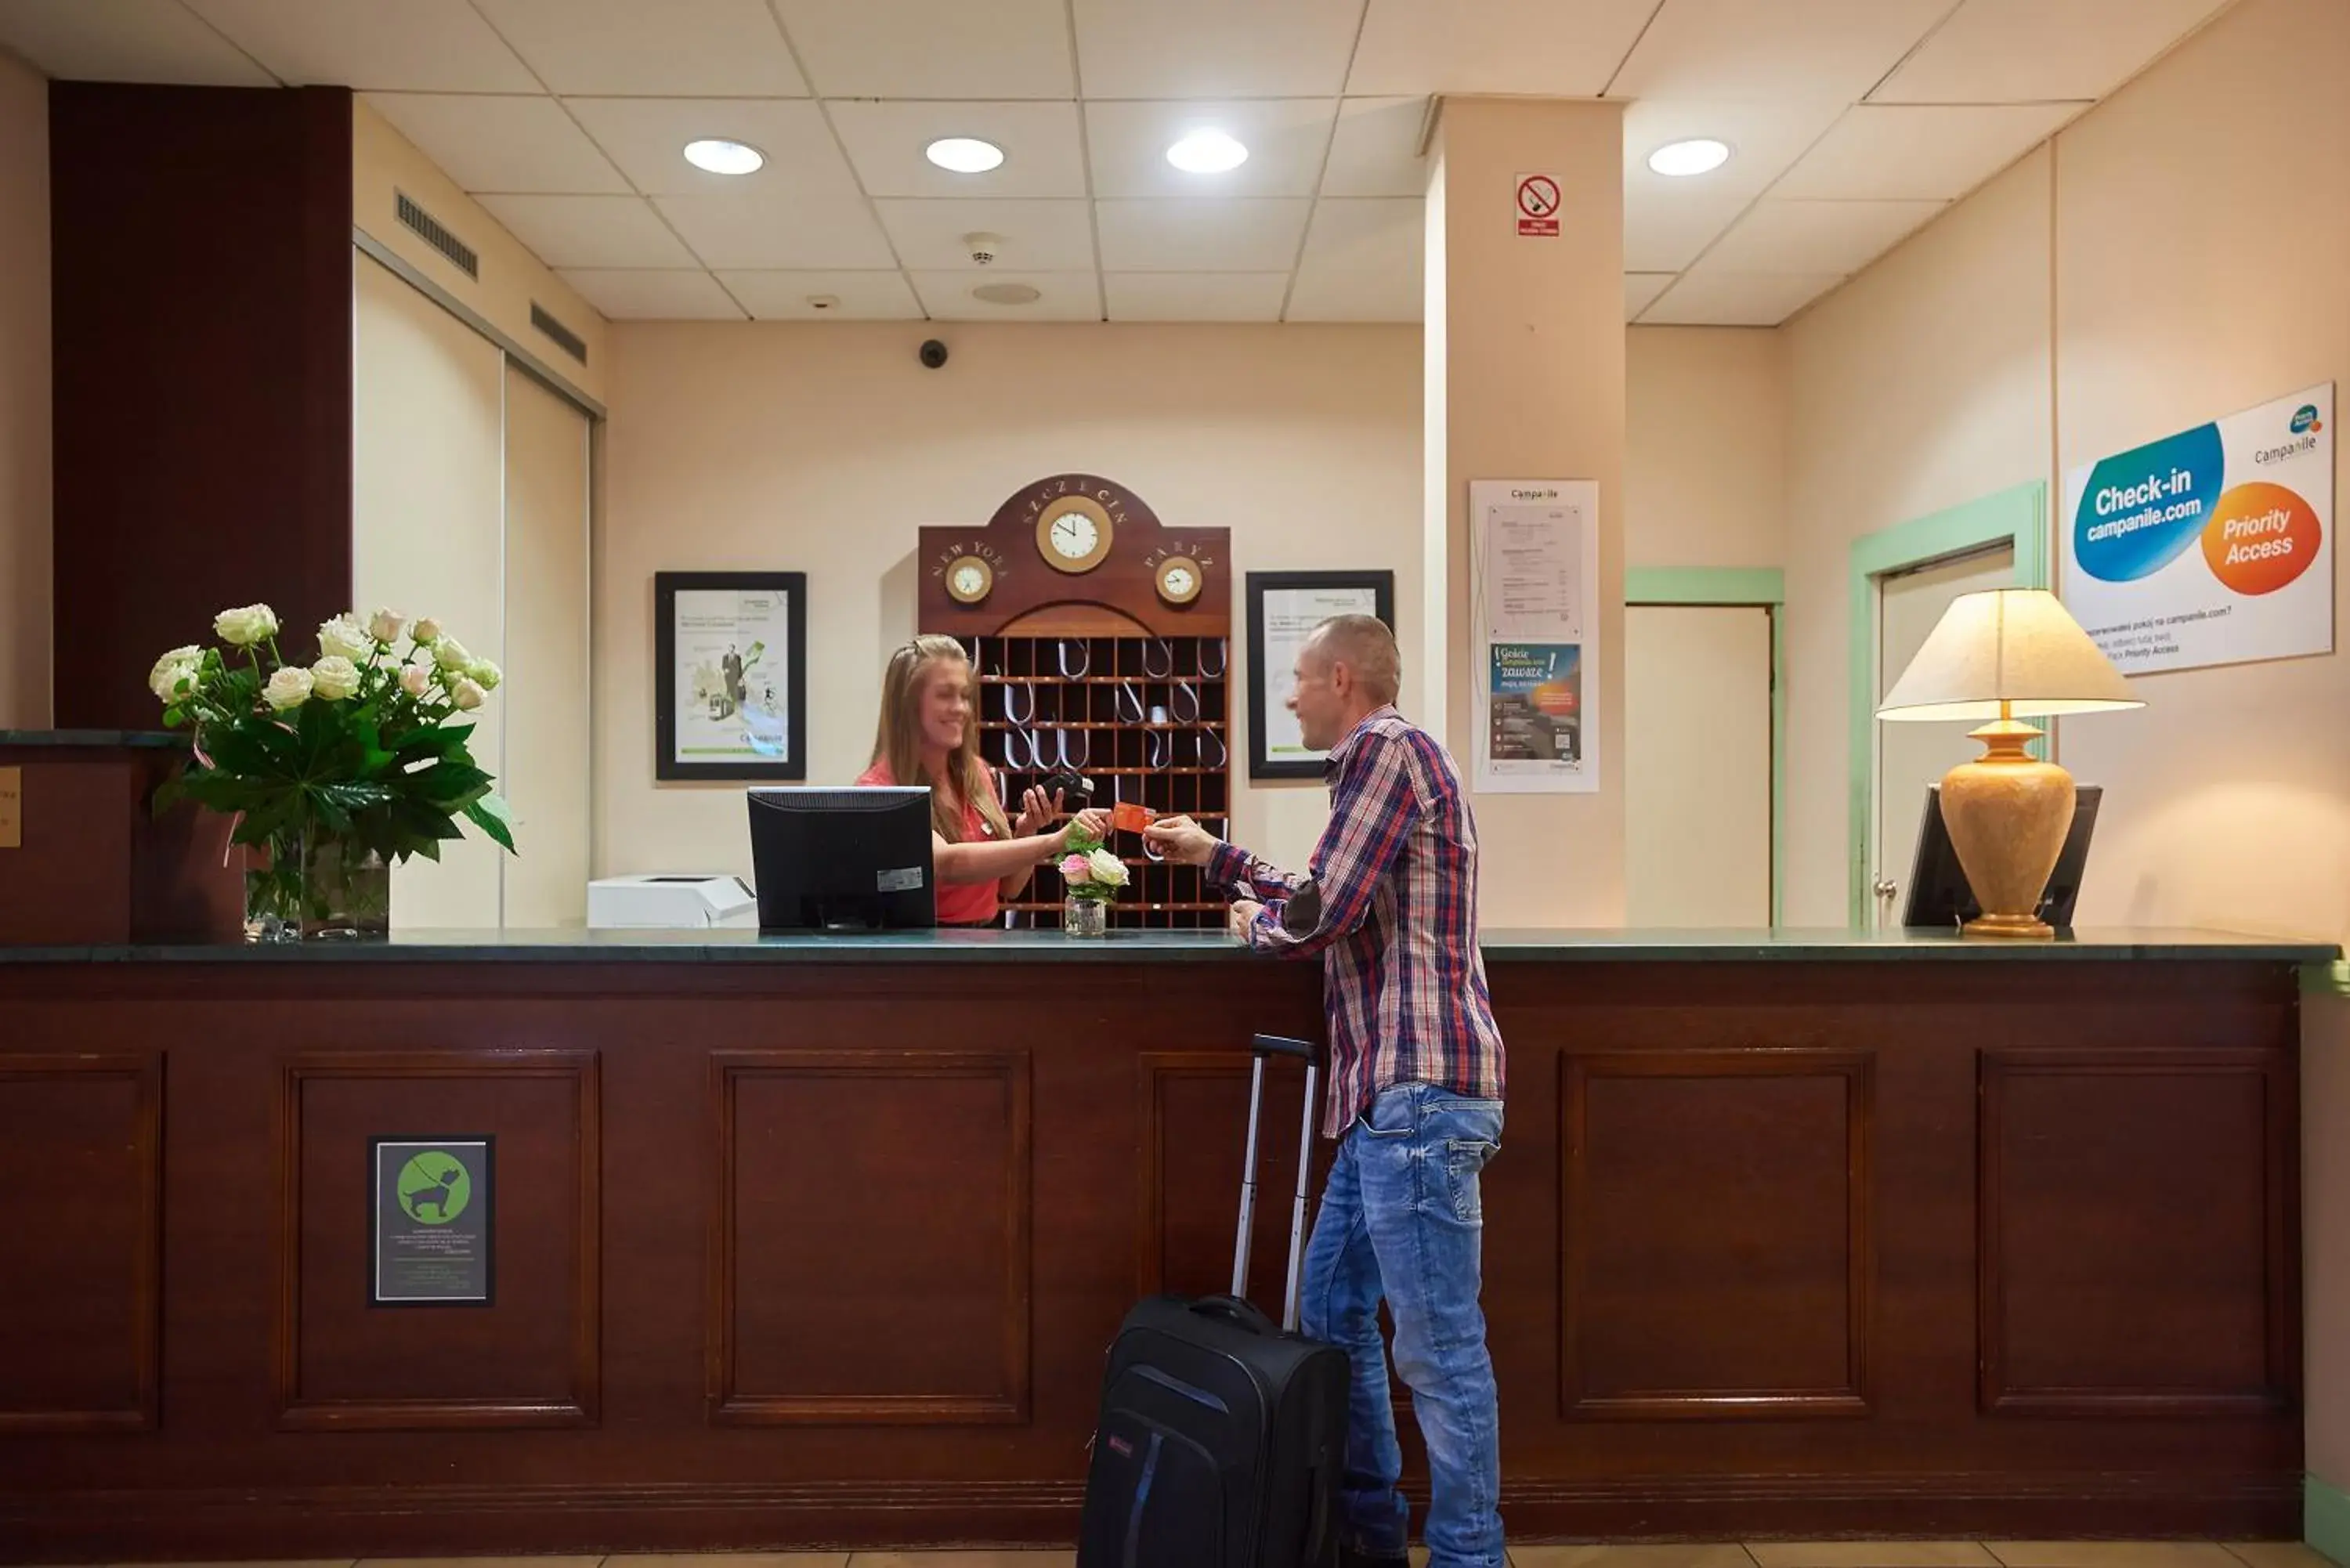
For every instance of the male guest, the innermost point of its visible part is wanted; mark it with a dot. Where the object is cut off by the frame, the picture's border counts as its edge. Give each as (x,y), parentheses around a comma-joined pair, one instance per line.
(1415,1087)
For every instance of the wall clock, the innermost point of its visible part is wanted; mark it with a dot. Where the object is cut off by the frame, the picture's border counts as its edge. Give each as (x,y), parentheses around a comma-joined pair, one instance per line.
(1074,534)
(969,579)
(1179,579)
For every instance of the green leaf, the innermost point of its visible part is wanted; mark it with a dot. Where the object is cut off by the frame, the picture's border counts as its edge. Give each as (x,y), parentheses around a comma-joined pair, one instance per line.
(490,814)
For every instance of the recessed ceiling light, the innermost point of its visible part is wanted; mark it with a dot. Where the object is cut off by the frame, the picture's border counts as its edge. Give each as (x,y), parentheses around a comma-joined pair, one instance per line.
(1207,153)
(718,156)
(964,154)
(1681,159)
(1007,293)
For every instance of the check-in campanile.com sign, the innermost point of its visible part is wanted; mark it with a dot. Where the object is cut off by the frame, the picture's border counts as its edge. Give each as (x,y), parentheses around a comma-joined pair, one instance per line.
(2214,545)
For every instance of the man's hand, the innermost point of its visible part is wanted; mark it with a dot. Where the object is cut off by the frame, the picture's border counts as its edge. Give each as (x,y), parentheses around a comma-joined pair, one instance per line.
(1181,840)
(1242,916)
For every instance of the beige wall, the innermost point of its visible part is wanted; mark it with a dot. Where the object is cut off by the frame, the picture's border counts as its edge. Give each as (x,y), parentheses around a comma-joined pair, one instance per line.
(385,163)
(1705,413)
(24,570)
(2176,257)
(823,448)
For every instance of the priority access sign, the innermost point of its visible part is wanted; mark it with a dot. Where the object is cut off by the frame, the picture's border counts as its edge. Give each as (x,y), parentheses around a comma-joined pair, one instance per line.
(1537,206)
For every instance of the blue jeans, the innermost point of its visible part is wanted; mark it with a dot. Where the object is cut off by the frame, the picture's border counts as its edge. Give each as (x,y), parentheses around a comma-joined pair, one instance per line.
(1400,1220)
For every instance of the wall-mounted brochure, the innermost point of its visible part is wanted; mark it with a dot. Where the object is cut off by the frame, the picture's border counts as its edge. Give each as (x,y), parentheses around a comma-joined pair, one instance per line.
(2214,545)
(1537,607)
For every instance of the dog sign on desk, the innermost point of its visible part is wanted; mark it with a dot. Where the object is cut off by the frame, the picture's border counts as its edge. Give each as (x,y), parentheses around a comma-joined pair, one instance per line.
(434,1223)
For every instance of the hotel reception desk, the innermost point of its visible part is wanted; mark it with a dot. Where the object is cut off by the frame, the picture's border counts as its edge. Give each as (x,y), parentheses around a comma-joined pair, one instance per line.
(821,1242)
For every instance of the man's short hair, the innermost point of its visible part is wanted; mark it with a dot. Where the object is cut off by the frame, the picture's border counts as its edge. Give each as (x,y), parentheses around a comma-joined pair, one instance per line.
(1364,644)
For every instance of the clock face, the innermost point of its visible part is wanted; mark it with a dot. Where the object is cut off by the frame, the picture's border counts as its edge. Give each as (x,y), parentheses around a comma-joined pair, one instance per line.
(969,579)
(1179,579)
(1178,582)
(1074,535)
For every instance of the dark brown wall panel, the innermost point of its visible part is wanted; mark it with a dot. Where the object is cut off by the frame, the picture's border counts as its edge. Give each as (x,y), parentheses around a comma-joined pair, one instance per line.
(870,1256)
(2136,1248)
(1717,1237)
(80,1159)
(1195,1119)
(202,298)
(527,1358)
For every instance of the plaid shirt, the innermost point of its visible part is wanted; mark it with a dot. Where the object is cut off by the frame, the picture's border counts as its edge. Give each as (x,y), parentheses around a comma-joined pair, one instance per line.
(1393,916)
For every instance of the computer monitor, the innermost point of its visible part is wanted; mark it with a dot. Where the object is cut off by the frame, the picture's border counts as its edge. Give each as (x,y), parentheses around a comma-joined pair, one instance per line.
(842,859)
(1938,893)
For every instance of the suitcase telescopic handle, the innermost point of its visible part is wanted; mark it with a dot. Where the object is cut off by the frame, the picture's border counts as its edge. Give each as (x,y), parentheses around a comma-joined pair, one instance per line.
(1262,1046)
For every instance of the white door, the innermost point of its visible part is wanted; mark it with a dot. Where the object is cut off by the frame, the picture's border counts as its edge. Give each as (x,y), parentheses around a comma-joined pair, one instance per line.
(1697,764)
(1912,756)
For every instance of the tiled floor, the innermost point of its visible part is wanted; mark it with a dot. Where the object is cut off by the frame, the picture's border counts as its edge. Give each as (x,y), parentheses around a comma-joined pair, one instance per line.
(1760,1555)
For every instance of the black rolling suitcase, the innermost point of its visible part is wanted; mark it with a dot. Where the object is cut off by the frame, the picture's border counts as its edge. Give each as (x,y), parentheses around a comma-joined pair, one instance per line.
(1221,1437)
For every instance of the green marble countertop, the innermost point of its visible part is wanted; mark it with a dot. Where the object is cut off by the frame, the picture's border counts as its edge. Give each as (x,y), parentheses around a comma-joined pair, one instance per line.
(1562,946)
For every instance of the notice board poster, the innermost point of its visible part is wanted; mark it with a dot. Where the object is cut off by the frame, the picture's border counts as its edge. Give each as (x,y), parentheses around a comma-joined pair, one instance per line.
(2214,545)
(435,1221)
(1537,577)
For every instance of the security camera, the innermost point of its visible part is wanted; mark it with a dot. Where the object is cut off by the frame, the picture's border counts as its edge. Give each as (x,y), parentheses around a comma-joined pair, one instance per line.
(935,353)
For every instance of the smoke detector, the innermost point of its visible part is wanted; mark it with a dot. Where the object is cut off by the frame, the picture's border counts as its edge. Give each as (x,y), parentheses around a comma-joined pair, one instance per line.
(984,248)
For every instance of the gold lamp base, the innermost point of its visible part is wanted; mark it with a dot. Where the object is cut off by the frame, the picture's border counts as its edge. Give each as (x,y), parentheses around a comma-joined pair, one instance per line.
(2008,814)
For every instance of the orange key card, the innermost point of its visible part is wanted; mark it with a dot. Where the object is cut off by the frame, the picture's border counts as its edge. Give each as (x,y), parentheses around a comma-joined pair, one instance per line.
(1126,816)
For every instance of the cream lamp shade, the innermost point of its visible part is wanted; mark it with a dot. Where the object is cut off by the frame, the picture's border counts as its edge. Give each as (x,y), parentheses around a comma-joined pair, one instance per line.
(2019,646)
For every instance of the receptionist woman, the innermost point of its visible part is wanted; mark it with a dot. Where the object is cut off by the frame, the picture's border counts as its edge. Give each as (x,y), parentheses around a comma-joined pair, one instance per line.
(929,735)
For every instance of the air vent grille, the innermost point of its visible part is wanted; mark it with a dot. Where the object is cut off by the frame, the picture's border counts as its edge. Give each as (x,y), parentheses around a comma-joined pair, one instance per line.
(430,230)
(570,342)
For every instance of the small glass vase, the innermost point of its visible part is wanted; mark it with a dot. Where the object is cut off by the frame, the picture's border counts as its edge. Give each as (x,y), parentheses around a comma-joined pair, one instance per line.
(316,887)
(1086,917)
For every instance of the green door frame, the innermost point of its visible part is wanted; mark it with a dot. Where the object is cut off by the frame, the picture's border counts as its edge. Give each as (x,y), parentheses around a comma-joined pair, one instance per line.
(2017,517)
(1737,587)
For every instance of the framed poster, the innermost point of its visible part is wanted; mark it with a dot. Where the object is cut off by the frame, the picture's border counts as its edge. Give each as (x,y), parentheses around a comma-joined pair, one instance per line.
(730,682)
(1536,577)
(433,1222)
(1283,608)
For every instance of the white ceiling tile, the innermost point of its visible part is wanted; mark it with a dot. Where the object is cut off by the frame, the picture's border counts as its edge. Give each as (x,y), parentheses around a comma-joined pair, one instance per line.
(1664,231)
(1765,139)
(1044,155)
(417,46)
(1338,295)
(487,142)
(1215,49)
(855,295)
(1202,236)
(1037,236)
(1064,296)
(645,296)
(1706,298)
(1892,153)
(125,41)
(2030,51)
(647,137)
(932,48)
(779,230)
(1386,234)
(1785,49)
(1286,139)
(682,49)
(1195,295)
(1641,288)
(596,231)
(1375,152)
(1551,50)
(1816,237)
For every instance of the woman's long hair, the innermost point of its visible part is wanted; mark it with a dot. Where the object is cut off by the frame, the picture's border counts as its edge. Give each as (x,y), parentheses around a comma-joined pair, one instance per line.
(898,740)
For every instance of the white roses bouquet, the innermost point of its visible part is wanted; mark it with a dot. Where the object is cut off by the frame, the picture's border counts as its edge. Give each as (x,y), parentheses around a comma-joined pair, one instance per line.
(1091,869)
(363,750)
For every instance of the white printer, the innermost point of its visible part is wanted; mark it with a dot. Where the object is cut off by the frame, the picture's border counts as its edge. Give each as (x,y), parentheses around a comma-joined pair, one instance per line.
(659,901)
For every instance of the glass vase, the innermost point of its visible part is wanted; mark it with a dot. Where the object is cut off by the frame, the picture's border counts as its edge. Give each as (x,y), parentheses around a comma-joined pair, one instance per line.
(1086,917)
(316,888)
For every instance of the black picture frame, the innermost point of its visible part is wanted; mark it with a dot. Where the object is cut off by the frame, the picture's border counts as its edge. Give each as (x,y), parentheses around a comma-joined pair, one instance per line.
(487,1197)
(792,766)
(1379,585)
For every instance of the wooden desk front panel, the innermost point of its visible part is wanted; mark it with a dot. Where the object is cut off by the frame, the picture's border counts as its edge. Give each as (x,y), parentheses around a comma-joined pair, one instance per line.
(791,1256)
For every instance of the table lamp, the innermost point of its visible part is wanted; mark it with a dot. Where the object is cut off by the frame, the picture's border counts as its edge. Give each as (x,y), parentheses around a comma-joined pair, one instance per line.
(1994,655)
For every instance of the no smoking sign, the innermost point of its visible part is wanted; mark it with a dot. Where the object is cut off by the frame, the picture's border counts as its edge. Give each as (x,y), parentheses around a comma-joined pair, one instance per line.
(1537,206)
